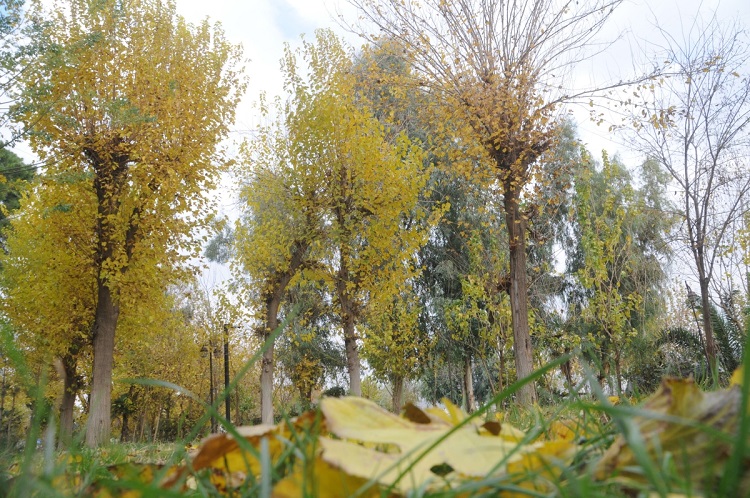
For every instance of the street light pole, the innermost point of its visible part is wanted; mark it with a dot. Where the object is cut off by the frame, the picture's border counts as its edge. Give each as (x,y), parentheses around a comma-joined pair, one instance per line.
(227,398)
(211,375)
(209,350)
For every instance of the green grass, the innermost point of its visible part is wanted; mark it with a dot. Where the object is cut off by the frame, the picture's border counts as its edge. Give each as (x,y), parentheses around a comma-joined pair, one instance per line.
(47,473)
(82,472)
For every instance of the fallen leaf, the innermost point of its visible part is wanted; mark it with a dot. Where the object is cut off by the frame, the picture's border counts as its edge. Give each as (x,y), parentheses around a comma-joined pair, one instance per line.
(464,451)
(692,429)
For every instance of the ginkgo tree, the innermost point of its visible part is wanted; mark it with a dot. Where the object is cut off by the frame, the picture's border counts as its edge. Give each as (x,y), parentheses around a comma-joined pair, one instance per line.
(326,193)
(135,100)
(369,189)
(274,239)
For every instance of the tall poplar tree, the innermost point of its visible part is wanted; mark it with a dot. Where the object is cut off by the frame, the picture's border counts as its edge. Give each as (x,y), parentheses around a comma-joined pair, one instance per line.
(135,101)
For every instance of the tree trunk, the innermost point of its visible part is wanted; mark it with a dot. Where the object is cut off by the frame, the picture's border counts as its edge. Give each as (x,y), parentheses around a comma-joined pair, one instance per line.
(501,373)
(518,293)
(618,373)
(397,384)
(125,432)
(708,331)
(348,316)
(266,385)
(567,371)
(156,425)
(468,385)
(352,358)
(105,323)
(266,368)
(273,301)
(68,400)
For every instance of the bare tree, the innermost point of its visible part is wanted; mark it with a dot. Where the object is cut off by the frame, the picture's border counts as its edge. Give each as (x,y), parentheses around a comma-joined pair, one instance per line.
(499,66)
(11,22)
(699,130)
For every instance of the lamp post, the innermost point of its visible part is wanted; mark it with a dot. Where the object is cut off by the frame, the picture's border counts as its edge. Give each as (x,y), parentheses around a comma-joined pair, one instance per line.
(227,399)
(211,350)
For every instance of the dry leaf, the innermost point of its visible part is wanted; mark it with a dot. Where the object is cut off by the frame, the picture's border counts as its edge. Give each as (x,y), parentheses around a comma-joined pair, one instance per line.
(680,423)
(467,451)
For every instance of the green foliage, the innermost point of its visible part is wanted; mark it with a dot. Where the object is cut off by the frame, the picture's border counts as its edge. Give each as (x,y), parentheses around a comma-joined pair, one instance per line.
(620,235)
(308,353)
(14,177)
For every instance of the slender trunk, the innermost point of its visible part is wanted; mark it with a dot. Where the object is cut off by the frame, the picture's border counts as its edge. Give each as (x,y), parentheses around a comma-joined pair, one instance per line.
(348,317)
(397,384)
(105,323)
(468,385)
(604,365)
(266,369)
(708,331)
(501,373)
(2,398)
(142,423)
(273,302)
(518,293)
(352,357)
(266,386)
(68,400)
(618,373)
(125,433)
(567,371)
(156,425)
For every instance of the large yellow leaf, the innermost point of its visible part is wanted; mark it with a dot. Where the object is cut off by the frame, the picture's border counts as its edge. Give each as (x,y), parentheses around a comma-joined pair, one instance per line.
(322,480)
(428,453)
(221,451)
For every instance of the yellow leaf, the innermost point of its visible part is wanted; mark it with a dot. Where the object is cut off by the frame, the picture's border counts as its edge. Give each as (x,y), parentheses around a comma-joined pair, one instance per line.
(464,451)
(322,480)
(221,451)
(563,430)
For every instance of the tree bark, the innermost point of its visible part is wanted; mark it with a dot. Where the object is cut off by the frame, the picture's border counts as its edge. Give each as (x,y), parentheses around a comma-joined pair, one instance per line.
(518,291)
(109,180)
(156,425)
(501,373)
(397,394)
(125,433)
(266,368)
(352,357)
(276,288)
(68,400)
(618,372)
(105,324)
(567,371)
(468,385)
(348,318)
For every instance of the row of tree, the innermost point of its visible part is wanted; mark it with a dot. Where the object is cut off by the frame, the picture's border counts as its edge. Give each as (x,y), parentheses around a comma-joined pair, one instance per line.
(426,198)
